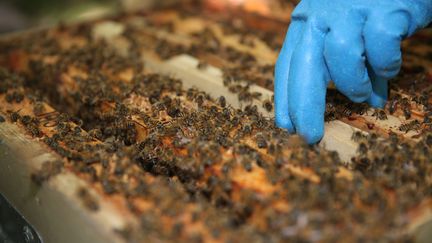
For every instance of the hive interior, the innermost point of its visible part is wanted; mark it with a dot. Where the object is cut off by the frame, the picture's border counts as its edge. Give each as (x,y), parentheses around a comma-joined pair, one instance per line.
(191,167)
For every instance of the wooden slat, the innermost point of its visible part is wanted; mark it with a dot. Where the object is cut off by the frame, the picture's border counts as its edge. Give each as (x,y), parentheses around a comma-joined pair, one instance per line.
(52,208)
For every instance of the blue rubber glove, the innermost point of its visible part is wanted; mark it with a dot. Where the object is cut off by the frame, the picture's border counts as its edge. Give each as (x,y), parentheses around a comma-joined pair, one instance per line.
(355,43)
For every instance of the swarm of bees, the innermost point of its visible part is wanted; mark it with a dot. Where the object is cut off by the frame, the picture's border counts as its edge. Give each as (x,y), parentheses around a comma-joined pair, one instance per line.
(195,158)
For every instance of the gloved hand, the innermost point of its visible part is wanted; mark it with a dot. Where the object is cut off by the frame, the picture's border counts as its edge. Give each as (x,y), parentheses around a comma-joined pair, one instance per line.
(355,43)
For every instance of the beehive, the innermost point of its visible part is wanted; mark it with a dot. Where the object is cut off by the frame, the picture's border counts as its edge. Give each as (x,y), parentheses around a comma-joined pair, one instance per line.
(98,118)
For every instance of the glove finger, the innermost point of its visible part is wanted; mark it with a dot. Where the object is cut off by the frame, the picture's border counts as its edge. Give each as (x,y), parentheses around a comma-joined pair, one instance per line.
(345,58)
(308,79)
(281,76)
(379,95)
(383,34)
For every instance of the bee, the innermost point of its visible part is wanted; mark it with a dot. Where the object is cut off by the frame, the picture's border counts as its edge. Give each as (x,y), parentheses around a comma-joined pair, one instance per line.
(48,170)
(87,199)
(427,119)
(235,121)
(411,126)
(126,232)
(407,112)
(63,117)
(271,149)
(227,186)
(261,141)
(166,49)
(227,80)
(63,128)
(9,98)
(120,168)
(223,140)
(268,84)
(393,105)
(247,40)
(416,99)
(361,109)
(362,149)
(330,112)
(25,120)
(379,114)
(251,110)
(213,110)
(226,113)
(357,136)
(14,97)
(268,105)
(237,88)
(222,101)
(202,65)
(247,129)
(406,107)
(14,116)
(428,140)
(38,108)
(76,131)
(77,121)
(423,99)
(200,100)
(256,95)
(346,112)
(108,186)
(19,97)
(51,142)
(34,130)
(95,133)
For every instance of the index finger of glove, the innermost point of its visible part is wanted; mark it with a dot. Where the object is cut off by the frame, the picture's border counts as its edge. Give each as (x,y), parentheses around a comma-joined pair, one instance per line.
(281,76)
(308,79)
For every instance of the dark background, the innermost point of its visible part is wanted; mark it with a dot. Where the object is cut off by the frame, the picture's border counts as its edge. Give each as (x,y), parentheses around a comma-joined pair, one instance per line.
(22,14)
